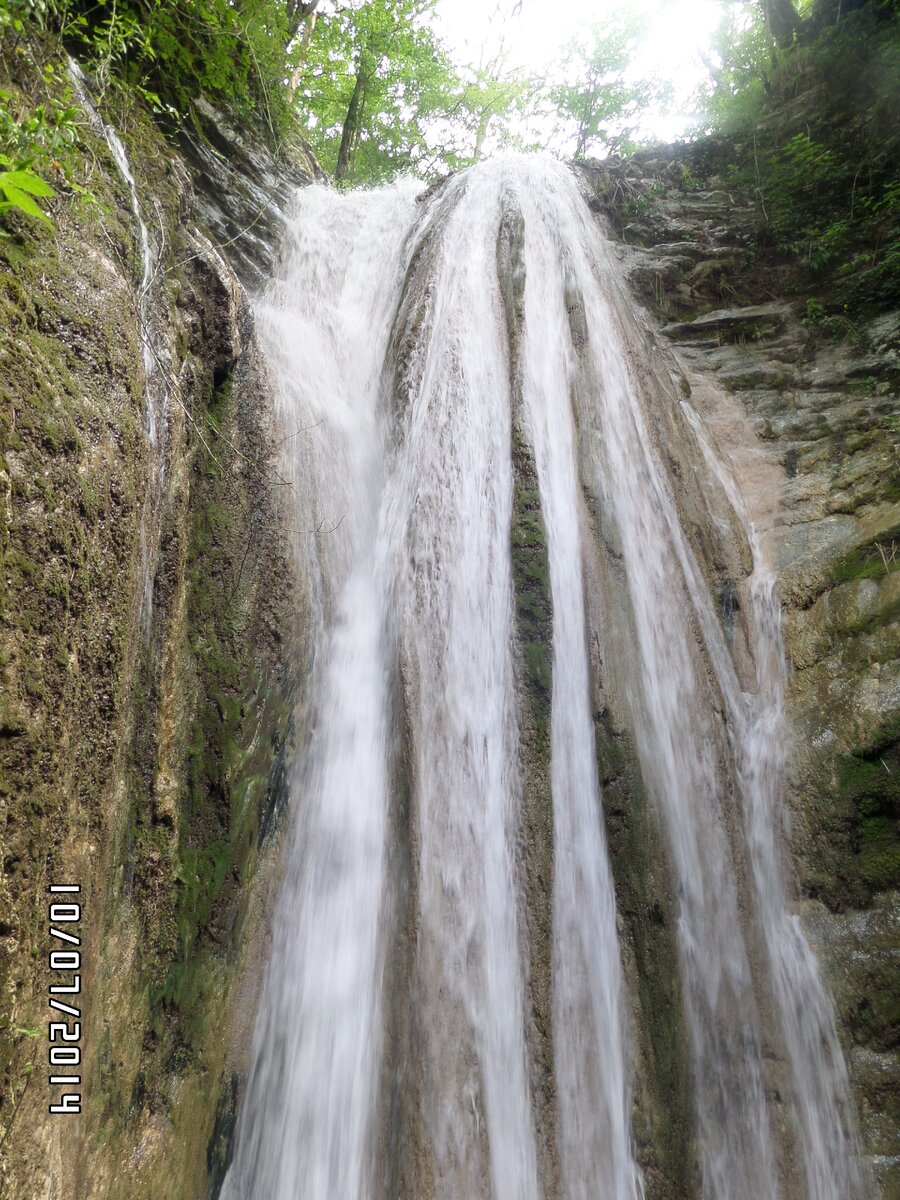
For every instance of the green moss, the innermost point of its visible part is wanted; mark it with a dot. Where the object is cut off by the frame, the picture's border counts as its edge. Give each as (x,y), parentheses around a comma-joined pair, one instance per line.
(880,859)
(664,1115)
(531,579)
(871,561)
(218,1152)
(227,766)
(862,816)
(874,1016)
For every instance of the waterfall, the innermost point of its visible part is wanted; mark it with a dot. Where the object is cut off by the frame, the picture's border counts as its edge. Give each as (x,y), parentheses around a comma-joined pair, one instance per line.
(307,1123)
(423,355)
(587,1019)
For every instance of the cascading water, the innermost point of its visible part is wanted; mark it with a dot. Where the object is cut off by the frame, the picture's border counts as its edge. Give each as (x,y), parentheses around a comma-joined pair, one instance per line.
(590,1050)
(824,1121)
(393,1053)
(456,613)
(307,1124)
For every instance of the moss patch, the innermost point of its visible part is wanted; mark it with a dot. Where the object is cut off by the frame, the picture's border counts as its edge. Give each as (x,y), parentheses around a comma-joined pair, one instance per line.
(857,807)
(664,1110)
(872,561)
(868,789)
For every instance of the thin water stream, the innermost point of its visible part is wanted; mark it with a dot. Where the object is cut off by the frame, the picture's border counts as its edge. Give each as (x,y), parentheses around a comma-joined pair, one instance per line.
(154,351)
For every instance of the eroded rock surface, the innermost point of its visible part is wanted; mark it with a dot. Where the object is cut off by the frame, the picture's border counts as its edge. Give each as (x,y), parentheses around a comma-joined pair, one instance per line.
(827,409)
(143,728)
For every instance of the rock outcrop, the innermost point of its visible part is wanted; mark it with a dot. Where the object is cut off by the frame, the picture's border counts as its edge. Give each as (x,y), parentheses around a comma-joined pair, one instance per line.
(822,396)
(146,687)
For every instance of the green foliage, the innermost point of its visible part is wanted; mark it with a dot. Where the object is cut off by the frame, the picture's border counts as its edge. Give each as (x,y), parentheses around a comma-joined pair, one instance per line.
(171,51)
(46,133)
(872,561)
(491,107)
(373,79)
(598,101)
(815,310)
(368,81)
(18,189)
(17,15)
(35,140)
(238,54)
(815,126)
(735,98)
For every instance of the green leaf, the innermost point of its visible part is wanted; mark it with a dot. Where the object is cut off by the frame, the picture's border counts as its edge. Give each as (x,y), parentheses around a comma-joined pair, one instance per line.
(26,181)
(21,200)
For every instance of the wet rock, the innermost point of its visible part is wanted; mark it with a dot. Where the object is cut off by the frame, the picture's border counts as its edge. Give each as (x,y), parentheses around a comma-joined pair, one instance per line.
(734,322)
(755,374)
(242,191)
(215,309)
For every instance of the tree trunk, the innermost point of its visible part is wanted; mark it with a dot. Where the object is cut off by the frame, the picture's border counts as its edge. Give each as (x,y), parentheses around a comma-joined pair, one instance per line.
(481,133)
(304,47)
(298,12)
(782,20)
(352,125)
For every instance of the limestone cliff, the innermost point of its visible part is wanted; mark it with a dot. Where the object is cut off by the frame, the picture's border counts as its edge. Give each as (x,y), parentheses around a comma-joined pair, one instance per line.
(146,691)
(822,397)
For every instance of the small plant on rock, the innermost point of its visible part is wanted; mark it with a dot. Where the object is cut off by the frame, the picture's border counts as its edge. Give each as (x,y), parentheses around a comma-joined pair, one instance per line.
(20,190)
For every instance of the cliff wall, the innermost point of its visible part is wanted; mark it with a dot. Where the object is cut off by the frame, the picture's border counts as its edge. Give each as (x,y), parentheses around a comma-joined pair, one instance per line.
(821,395)
(146,687)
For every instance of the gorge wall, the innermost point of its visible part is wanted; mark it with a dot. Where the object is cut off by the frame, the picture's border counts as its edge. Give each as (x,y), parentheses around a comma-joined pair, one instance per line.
(147,684)
(145,741)
(824,405)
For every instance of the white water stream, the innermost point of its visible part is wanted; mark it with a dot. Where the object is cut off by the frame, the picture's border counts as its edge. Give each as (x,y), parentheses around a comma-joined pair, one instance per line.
(154,351)
(387,335)
(825,1124)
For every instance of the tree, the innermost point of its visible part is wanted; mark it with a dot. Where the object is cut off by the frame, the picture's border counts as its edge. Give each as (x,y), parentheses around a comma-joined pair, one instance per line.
(235,52)
(373,78)
(785,23)
(491,100)
(597,100)
(782,20)
(299,14)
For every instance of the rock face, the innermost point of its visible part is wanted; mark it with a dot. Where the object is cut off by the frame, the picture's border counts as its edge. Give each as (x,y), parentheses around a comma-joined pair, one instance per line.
(146,700)
(827,409)
(241,190)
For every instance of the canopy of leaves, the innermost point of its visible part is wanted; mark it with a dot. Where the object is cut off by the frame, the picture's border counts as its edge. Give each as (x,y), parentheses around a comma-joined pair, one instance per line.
(372,78)
(235,52)
(368,81)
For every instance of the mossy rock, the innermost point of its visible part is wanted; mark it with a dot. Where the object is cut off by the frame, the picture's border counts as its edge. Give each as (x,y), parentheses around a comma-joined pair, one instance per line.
(856,804)
(875,559)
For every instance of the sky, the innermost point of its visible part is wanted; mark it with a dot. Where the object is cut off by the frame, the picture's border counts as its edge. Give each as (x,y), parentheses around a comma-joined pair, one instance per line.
(535,32)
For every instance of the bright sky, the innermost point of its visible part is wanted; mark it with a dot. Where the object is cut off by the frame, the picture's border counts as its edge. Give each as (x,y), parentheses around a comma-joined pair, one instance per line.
(678,30)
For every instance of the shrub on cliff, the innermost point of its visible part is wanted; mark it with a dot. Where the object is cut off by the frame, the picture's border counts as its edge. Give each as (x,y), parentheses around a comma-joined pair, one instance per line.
(814,120)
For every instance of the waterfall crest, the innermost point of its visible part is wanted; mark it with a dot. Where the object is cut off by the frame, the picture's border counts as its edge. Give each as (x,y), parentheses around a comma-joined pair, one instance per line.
(444,372)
